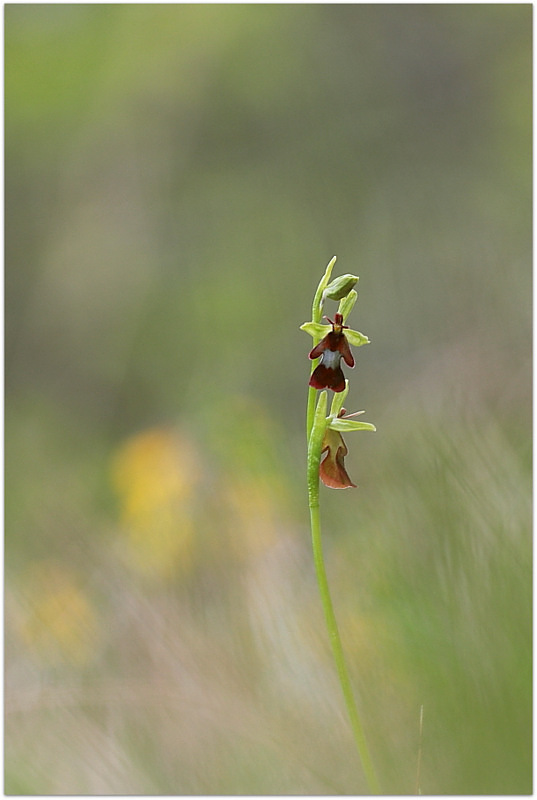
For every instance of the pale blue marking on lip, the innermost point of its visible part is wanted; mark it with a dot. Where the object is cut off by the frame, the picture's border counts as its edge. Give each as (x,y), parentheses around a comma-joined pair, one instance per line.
(331,359)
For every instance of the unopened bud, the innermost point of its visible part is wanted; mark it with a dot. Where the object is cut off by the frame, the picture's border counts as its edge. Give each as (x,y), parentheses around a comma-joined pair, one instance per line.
(340,287)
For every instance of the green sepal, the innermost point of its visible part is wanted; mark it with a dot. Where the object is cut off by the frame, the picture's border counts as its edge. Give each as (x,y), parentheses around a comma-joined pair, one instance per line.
(348,425)
(315,329)
(347,304)
(356,338)
(340,287)
(338,399)
(319,331)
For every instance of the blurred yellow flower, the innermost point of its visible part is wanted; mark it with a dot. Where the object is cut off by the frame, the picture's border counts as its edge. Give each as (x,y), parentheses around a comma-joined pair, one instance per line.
(57,620)
(254,507)
(254,478)
(154,474)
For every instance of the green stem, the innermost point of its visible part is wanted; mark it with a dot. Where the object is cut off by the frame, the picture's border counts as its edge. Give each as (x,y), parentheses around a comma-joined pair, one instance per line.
(316,313)
(314,457)
(311,408)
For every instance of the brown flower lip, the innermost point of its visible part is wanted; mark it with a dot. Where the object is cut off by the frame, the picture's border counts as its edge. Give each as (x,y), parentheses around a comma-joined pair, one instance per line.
(332,468)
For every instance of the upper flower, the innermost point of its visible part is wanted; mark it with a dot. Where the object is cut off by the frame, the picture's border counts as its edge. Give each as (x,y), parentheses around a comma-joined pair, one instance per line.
(334,346)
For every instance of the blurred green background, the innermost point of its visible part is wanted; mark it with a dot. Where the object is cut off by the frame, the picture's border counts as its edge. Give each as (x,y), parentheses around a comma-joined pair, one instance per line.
(177,178)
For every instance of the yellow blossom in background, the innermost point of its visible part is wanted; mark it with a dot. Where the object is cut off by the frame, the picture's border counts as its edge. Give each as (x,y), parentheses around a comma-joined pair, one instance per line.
(255,504)
(255,474)
(57,621)
(154,474)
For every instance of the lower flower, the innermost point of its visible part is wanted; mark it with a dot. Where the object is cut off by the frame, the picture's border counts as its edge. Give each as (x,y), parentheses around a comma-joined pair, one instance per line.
(332,469)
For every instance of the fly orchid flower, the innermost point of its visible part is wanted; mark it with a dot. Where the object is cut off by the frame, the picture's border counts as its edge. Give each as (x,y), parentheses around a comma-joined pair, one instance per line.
(332,348)
(332,468)
(332,345)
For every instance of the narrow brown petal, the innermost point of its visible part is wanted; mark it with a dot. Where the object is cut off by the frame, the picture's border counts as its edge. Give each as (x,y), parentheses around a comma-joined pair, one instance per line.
(345,350)
(320,348)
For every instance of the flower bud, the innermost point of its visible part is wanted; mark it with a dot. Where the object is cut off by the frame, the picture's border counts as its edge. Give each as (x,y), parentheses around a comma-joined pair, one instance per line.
(340,287)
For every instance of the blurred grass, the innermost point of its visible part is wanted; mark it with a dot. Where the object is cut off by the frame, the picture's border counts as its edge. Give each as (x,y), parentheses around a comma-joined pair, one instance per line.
(177,178)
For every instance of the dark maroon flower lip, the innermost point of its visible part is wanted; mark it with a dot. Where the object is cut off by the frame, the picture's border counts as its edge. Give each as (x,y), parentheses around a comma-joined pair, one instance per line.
(327,378)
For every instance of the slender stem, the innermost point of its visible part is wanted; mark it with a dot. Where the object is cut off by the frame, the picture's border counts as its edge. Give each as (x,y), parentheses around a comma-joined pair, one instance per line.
(311,408)
(337,652)
(314,457)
